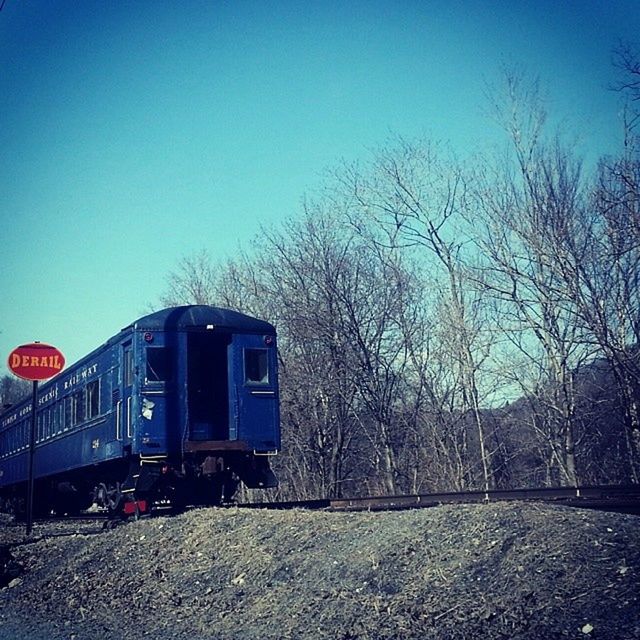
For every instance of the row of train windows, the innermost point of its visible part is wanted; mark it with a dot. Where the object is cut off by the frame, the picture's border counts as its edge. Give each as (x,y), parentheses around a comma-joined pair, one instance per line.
(71,411)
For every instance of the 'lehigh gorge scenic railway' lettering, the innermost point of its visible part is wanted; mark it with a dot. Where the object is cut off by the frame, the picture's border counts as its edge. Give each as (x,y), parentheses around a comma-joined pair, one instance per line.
(80,376)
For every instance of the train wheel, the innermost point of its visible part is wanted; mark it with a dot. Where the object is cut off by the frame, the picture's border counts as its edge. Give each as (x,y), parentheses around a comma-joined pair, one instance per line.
(110,498)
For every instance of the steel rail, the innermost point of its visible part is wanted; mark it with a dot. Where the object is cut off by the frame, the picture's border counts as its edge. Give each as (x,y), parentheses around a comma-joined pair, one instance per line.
(621,498)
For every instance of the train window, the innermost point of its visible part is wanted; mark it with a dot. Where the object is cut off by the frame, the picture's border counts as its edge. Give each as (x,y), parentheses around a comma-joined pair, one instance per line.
(128,366)
(256,366)
(93,399)
(159,364)
(60,416)
(78,406)
(41,426)
(46,424)
(68,412)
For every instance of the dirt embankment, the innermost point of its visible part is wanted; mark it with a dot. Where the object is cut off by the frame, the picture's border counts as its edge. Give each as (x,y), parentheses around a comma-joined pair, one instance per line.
(476,571)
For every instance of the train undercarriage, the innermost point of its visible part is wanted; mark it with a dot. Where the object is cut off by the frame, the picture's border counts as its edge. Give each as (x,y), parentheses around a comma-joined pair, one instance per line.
(141,484)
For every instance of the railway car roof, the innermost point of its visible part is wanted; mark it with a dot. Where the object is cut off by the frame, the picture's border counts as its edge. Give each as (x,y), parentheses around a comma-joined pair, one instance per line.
(193,316)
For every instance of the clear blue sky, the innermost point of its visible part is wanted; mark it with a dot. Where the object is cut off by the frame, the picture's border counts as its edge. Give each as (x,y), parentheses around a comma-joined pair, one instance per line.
(133,133)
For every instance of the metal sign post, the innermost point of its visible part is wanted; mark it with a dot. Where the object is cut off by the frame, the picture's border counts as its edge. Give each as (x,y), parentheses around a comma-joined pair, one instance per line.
(32,453)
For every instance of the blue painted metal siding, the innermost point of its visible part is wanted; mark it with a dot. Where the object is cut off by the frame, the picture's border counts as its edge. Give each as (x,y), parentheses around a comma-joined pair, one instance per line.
(256,418)
(76,423)
(156,409)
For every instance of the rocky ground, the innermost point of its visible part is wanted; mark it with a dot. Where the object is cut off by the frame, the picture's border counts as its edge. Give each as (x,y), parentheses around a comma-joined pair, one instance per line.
(462,571)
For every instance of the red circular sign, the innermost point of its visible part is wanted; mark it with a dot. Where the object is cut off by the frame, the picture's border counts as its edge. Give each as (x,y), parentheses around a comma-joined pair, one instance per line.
(36,361)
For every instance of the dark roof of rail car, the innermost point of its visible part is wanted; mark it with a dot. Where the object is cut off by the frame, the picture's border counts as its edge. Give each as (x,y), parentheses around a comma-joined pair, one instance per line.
(192,316)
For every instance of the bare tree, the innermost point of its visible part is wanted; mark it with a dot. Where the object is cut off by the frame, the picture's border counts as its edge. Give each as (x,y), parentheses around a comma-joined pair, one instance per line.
(192,282)
(346,304)
(626,60)
(602,270)
(529,207)
(13,390)
(414,198)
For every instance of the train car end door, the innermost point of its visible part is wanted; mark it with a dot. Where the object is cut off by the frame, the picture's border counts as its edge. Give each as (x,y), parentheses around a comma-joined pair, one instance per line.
(255,382)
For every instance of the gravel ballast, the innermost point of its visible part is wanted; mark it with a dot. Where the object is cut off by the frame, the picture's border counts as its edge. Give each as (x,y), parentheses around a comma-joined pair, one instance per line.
(506,570)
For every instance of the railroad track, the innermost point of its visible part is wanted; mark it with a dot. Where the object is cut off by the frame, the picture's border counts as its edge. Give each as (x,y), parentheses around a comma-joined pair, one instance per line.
(619,498)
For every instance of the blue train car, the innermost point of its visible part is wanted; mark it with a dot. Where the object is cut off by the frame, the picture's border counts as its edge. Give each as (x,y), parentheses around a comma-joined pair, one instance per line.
(179,407)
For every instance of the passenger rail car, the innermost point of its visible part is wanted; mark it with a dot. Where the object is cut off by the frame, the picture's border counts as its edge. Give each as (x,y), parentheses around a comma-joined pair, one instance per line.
(177,408)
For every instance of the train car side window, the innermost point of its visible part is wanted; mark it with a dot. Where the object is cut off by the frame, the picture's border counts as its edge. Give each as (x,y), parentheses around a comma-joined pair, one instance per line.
(60,416)
(128,366)
(46,424)
(159,364)
(256,366)
(68,413)
(78,406)
(93,399)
